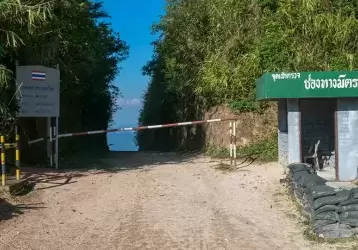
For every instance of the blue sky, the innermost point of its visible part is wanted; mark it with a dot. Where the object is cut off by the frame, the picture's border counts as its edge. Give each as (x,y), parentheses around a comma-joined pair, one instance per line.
(133,20)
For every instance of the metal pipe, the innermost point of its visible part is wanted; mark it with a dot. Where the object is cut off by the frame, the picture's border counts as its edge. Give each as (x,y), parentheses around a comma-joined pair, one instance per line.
(3,167)
(17,154)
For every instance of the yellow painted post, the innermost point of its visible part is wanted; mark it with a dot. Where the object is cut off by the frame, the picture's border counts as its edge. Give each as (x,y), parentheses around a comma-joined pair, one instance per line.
(3,170)
(17,156)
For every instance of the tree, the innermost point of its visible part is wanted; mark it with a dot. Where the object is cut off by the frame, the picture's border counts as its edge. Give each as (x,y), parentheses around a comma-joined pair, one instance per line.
(80,40)
(212,51)
(15,15)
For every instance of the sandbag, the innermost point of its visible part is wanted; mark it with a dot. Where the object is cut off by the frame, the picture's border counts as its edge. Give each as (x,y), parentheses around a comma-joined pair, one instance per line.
(332,227)
(334,214)
(340,197)
(350,218)
(308,180)
(319,191)
(299,167)
(298,175)
(327,208)
(353,207)
(355,230)
(350,215)
(330,215)
(354,190)
(320,223)
(351,201)
(351,222)
(342,233)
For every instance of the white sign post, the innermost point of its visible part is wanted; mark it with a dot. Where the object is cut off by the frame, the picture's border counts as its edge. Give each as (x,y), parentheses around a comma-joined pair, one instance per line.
(39,96)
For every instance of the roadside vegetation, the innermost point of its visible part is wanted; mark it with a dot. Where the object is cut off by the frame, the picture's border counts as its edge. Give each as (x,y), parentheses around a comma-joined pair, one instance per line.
(210,53)
(76,35)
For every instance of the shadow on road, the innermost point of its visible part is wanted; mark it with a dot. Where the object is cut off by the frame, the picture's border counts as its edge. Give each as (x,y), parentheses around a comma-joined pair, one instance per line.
(104,163)
(9,211)
(111,162)
(133,160)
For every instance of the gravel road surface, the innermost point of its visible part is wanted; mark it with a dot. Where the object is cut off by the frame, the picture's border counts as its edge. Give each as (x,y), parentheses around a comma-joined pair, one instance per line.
(154,201)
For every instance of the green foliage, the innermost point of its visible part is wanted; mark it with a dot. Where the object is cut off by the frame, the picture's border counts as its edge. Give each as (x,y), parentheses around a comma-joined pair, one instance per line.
(211,52)
(75,35)
(217,152)
(15,15)
(245,105)
(265,150)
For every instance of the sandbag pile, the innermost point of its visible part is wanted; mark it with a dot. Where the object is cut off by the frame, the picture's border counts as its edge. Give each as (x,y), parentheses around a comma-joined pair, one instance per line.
(333,213)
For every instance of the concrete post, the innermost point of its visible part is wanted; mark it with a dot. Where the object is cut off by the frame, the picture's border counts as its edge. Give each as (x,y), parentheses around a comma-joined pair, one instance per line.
(282,132)
(294,130)
(347,139)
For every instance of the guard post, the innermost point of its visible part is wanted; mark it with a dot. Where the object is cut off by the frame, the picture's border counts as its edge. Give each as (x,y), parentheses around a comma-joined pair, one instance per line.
(316,108)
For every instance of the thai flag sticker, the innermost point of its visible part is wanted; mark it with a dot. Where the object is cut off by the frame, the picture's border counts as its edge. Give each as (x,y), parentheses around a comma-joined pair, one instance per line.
(37,75)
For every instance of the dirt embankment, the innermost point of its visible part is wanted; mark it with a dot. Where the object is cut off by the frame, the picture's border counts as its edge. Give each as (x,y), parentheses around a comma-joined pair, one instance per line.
(250,126)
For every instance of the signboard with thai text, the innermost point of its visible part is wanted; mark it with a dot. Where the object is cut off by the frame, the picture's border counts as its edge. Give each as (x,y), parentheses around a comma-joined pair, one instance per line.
(331,84)
(38,91)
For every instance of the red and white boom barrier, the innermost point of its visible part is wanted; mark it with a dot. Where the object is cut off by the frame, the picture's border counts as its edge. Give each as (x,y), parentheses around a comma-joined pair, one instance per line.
(169,125)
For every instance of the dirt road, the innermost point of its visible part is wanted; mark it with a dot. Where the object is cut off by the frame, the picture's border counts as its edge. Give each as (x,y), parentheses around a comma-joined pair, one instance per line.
(165,202)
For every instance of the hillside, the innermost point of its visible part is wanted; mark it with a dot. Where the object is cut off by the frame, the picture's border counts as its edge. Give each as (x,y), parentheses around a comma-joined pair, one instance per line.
(210,53)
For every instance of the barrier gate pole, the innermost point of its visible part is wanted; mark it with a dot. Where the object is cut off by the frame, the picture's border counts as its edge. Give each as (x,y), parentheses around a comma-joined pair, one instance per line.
(17,153)
(234,146)
(231,146)
(56,143)
(3,169)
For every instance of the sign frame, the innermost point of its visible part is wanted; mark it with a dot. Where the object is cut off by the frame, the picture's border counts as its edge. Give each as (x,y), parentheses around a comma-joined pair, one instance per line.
(34,79)
(38,91)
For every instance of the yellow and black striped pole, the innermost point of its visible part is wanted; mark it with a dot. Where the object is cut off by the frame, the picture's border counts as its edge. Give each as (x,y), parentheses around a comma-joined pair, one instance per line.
(3,173)
(17,157)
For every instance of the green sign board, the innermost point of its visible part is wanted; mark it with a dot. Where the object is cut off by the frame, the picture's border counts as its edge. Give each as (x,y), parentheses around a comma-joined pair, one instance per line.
(332,84)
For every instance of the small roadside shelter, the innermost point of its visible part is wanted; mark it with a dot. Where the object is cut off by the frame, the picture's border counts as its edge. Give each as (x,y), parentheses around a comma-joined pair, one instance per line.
(316,106)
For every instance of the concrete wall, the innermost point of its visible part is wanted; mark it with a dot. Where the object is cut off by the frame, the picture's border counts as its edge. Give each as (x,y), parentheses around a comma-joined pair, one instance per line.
(294,133)
(347,129)
(282,132)
(317,123)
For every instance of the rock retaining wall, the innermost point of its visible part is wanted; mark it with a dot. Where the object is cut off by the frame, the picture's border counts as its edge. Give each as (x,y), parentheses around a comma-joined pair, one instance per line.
(333,213)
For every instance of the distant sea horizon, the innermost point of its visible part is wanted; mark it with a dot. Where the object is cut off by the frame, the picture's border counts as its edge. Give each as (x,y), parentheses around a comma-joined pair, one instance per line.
(124,140)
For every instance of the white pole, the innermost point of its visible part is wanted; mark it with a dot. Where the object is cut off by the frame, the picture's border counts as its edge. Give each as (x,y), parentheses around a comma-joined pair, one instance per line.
(51,146)
(231,146)
(234,146)
(56,144)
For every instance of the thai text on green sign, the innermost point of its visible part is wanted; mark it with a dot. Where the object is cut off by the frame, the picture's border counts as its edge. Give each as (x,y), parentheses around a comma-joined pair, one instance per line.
(308,85)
